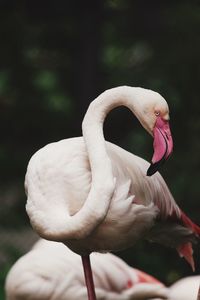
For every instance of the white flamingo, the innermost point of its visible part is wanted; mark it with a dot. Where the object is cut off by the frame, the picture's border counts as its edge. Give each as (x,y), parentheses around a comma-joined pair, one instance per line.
(185,289)
(94,196)
(52,271)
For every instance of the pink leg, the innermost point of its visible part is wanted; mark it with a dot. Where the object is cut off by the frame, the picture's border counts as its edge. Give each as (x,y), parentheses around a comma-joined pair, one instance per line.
(88,277)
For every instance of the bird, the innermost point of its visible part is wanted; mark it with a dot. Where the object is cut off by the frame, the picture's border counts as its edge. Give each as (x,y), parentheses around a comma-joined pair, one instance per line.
(94,196)
(50,270)
(185,289)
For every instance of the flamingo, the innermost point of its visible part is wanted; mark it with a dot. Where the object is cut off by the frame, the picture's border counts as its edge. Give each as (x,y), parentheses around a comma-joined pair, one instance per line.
(185,289)
(50,270)
(95,197)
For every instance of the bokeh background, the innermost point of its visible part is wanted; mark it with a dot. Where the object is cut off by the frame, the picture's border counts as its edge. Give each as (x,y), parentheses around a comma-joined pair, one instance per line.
(55,58)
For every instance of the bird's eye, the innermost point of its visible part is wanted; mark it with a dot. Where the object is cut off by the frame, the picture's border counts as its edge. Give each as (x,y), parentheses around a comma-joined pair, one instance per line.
(157,113)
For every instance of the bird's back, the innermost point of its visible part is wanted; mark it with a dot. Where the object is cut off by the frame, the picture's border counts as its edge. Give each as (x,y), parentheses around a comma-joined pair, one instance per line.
(51,271)
(185,289)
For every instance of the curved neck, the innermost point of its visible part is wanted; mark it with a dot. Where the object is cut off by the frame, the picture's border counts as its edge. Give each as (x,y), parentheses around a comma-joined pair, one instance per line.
(92,127)
(97,204)
(102,187)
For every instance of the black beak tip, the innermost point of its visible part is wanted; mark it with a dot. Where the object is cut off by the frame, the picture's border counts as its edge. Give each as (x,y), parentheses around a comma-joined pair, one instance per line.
(154,167)
(152,170)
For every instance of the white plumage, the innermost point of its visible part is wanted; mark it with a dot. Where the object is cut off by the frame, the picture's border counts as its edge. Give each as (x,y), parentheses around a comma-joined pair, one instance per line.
(51,271)
(94,196)
(185,289)
(60,181)
(62,176)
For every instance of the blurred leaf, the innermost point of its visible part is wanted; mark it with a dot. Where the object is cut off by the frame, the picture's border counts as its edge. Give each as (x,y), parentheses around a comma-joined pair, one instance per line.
(58,102)
(46,81)
(4,81)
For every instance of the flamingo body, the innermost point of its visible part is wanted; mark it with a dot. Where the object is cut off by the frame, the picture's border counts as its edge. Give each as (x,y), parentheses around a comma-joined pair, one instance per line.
(137,204)
(70,184)
(51,271)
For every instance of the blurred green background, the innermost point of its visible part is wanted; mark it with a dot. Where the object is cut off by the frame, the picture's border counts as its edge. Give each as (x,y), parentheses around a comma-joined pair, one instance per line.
(55,58)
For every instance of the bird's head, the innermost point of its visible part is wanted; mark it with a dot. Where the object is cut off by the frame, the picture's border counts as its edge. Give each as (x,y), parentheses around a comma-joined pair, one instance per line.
(153,114)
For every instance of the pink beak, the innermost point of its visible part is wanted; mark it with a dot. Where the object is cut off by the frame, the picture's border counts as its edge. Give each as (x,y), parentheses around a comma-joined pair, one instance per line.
(163,145)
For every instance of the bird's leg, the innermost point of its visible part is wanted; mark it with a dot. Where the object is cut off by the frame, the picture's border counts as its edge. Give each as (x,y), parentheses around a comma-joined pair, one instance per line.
(88,277)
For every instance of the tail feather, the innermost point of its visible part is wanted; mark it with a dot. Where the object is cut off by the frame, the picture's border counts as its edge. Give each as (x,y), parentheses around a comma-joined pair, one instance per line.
(146,278)
(188,223)
(185,250)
